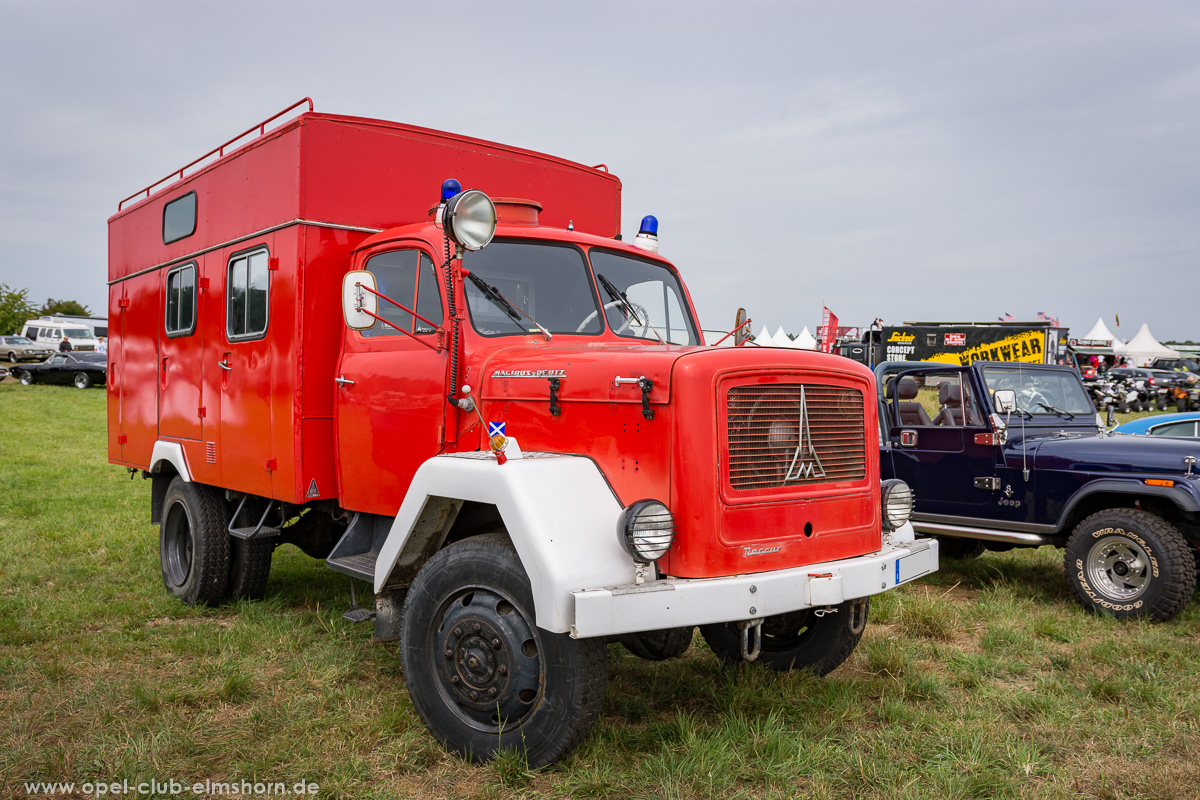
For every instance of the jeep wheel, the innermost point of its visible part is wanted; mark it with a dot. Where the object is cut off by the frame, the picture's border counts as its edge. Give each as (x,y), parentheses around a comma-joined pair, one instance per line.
(658,645)
(799,640)
(192,542)
(482,675)
(1130,563)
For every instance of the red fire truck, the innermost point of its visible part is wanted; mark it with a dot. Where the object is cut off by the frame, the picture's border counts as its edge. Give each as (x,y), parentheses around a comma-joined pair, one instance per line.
(492,409)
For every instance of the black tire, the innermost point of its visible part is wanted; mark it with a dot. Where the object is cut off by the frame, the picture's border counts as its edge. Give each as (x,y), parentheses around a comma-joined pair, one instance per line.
(1161,404)
(82,380)
(800,640)
(25,378)
(12,356)
(1137,404)
(534,692)
(1181,405)
(658,645)
(193,543)
(954,547)
(1123,405)
(1130,563)
(249,567)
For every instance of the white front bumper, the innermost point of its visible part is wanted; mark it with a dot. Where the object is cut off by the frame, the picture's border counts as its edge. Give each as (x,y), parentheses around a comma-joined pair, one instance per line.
(677,602)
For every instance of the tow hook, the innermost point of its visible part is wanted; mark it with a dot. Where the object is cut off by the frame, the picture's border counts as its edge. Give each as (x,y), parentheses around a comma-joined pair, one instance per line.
(747,625)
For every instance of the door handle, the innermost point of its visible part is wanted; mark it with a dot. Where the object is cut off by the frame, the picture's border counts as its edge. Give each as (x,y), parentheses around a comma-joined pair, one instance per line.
(343,381)
(223,364)
(908,438)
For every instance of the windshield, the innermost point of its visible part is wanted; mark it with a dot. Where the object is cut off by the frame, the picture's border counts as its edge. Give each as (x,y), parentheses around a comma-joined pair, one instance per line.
(1041,391)
(546,281)
(642,299)
(78,333)
(16,340)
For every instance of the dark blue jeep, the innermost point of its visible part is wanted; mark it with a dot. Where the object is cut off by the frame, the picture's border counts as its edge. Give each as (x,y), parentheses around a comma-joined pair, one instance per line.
(1002,455)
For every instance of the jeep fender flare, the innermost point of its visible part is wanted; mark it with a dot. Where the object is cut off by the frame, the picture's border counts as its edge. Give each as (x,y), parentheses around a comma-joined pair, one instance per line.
(559,511)
(1177,495)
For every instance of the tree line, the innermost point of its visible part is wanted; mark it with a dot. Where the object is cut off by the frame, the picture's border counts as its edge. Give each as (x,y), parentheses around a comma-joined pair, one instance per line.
(16,308)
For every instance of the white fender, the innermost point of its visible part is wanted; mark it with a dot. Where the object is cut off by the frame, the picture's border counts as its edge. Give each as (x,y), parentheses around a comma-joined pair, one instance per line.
(172,453)
(560,513)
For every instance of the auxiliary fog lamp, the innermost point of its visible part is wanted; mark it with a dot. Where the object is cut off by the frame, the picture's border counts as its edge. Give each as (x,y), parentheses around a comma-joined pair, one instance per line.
(897,501)
(469,218)
(646,530)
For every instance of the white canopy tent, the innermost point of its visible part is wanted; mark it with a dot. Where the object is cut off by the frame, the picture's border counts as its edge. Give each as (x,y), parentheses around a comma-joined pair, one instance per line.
(782,339)
(805,340)
(763,339)
(1100,333)
(1143,348)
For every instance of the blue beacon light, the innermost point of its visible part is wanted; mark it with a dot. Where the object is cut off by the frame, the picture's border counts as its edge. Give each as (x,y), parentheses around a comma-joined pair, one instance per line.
(647,238)
(451,187)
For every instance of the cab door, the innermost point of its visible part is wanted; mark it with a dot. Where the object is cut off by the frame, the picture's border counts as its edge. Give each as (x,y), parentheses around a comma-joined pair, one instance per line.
(940,442)
(391,388)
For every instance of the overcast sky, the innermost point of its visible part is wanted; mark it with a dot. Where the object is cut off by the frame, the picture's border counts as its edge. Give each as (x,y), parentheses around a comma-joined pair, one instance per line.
(922,160)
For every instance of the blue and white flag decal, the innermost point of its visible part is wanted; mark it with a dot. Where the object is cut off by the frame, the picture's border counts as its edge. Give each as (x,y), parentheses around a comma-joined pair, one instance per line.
(495,429)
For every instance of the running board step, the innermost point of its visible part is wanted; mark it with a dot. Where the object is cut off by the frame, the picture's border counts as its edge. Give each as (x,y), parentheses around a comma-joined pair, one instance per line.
(253,533)
(358,549)
(359,565)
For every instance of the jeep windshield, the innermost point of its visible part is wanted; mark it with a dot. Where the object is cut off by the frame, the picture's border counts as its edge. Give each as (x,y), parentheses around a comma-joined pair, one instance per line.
(1045,392)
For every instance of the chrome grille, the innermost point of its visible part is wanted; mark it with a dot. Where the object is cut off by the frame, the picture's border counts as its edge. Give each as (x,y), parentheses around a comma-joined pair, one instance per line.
(784,435)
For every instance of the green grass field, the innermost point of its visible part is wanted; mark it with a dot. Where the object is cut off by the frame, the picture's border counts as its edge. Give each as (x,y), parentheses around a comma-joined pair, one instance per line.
(982,681)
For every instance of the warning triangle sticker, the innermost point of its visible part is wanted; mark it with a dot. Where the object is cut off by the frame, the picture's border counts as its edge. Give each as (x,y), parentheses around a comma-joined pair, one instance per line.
(313,491)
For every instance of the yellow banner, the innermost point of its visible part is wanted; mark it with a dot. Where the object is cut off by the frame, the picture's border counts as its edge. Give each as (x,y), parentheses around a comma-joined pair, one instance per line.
(1027,346)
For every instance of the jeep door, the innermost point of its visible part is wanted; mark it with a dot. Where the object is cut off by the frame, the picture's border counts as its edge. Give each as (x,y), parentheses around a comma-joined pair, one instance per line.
(939,440)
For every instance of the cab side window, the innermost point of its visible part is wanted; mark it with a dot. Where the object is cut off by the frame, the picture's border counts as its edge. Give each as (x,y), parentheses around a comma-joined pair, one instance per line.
(181,301)
(409,278)
(246,295)
(942,399)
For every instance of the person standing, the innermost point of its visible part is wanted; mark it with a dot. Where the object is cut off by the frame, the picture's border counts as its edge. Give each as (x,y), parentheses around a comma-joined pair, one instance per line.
(65,345)
(102,346)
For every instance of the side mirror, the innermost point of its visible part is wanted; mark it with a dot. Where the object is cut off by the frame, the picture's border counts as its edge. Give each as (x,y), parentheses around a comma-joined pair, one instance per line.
(1111,420)
(741,331)
(1005,401)
(358,304)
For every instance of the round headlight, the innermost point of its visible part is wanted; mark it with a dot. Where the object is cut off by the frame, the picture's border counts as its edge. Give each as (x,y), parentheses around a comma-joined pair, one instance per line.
(897,503)
(646,530)
(470,219)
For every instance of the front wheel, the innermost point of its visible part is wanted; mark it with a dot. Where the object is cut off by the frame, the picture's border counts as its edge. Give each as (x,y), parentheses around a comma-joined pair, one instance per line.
(25,378)
(82,380)
(799,640)
(1130,563)
(482,675)
(12,357)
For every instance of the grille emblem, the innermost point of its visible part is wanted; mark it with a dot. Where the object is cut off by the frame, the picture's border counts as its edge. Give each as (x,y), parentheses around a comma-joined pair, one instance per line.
(800,468)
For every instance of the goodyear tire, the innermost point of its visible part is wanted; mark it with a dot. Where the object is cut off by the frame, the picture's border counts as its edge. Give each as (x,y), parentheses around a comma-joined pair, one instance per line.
(1130,563)
(193,544)
(249,567)
(799,640)
(483,677)
(658,645)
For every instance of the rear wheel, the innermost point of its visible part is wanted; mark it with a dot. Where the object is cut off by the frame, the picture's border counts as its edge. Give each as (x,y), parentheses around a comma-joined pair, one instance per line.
(249,567)
(483,677)
(799,640)
(82,380)
(12,357)
(1130,563)
(193,544)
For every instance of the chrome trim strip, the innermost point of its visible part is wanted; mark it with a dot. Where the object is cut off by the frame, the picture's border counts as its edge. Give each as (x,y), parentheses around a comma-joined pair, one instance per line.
(972,522)
(245,238)
(966,532)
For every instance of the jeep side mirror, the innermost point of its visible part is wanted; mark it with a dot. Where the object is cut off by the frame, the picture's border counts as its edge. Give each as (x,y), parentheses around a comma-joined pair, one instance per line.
(1005,401)
(360,305)
(1111,419)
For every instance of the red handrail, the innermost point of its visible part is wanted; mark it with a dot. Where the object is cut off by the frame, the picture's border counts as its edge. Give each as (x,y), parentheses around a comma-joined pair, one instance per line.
(220,151)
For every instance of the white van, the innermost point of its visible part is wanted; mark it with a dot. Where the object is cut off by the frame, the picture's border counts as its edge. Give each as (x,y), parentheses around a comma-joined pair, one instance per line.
(52,332)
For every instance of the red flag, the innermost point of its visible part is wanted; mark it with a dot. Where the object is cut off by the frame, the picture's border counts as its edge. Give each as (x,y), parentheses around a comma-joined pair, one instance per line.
(829,321)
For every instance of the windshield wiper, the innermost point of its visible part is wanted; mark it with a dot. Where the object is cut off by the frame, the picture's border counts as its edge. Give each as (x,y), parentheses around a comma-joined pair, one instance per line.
(626,306)
(1058,411)
(506,305)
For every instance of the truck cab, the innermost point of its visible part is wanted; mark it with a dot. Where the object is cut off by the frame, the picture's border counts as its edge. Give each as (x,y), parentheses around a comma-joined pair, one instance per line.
(1002,455)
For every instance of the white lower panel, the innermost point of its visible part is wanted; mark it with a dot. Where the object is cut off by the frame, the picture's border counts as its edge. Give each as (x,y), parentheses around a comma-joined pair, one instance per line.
(676,602)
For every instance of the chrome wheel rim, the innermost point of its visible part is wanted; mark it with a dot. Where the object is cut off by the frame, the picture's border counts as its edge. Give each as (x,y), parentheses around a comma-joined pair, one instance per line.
(81,381)
(1118,568)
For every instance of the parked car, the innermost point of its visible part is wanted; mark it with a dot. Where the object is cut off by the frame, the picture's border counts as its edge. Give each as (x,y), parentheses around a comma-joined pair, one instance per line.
(81,369)
(22,348)
(1002,455)
(1187,425)
(1183,364)
(1143,381)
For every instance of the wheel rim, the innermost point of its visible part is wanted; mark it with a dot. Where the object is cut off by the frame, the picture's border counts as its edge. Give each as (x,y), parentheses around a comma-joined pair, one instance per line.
(26,379)
(177,545)
(1118,568)
(487,659)
(80,380)
(12,357)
